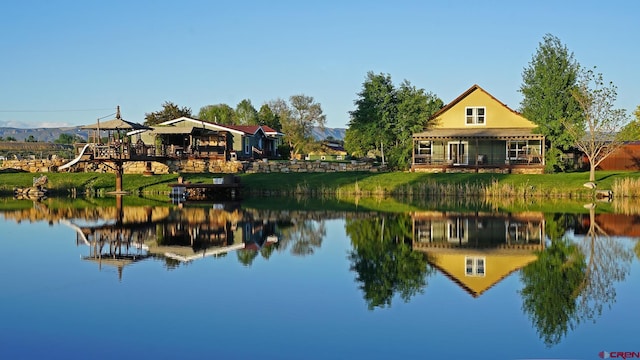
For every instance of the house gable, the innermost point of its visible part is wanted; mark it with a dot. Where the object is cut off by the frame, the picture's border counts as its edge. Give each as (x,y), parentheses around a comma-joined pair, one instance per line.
(189,122)
(499,264)
(485,111)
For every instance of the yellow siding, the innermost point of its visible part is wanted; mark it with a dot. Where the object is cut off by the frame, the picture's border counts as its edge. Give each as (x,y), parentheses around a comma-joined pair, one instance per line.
(497,115)
(183,123)
(497,266)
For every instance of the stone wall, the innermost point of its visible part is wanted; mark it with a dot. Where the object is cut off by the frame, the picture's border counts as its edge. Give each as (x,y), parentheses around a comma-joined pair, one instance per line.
(32,166)
(308,166)
(493,170)
(194,166)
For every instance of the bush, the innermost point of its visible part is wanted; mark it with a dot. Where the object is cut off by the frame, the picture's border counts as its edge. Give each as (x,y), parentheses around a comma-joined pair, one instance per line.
(285,151)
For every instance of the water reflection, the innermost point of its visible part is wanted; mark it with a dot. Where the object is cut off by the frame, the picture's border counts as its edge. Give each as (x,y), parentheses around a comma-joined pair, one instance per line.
(475,250)
(572,281)
(568,264)
(383,260)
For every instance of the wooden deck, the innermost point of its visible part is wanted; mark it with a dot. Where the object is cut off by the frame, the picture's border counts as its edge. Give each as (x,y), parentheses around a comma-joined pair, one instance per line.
(226,188)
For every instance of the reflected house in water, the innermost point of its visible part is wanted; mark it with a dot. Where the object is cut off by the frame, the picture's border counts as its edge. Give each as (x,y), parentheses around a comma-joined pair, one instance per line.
(181,234)
(119,240)
(194,233)
(477,251)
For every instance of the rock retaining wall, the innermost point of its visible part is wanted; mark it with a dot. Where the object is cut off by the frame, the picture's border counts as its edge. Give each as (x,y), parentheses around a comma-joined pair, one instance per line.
(193,166)
(308,166)
(33,166)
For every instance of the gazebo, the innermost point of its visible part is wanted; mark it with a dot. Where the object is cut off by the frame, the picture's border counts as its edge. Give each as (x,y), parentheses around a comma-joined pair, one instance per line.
(118,147)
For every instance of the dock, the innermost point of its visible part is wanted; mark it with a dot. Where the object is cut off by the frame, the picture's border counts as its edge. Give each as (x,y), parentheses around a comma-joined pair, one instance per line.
(224,188)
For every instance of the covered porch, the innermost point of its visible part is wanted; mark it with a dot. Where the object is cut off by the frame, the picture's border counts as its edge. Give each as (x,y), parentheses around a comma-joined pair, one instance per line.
(189,142)
(479,150)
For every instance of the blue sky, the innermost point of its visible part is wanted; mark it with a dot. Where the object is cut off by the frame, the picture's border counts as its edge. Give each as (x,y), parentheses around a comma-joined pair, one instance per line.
(71,62)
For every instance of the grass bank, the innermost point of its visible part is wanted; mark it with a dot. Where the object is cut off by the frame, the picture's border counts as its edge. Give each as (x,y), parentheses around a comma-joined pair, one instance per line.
(346,184)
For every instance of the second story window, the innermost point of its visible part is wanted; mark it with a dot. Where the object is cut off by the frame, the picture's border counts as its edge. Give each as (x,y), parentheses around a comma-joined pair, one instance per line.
(475,115)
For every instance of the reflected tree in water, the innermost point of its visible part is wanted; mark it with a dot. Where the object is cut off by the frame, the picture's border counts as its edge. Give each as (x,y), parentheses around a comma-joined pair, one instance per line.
(556,225)
(303,237)
(246,256)
(383,260)
(551,287)
(573,281)
(266,251)
(608,262)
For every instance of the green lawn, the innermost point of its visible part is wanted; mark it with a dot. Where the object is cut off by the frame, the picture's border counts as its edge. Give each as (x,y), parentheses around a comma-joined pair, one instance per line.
(565,185)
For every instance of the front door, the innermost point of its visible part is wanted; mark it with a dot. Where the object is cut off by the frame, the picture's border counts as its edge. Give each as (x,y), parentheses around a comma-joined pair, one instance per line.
(457,154)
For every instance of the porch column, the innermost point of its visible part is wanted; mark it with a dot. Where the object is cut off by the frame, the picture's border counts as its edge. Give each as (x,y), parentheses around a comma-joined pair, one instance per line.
(477,152)
(413,154)
(542,147)
(444,152)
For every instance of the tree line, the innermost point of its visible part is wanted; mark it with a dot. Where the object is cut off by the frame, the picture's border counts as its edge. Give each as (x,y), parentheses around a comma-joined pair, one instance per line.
(573,106)
(296,118)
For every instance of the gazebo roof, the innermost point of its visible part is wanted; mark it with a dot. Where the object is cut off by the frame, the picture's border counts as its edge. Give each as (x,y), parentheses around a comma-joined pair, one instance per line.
(116,124)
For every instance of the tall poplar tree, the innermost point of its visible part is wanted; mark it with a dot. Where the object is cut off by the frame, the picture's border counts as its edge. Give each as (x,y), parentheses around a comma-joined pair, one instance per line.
(547,87)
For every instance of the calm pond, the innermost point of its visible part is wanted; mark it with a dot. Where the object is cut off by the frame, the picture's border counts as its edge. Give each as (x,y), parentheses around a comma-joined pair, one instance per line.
(134,278)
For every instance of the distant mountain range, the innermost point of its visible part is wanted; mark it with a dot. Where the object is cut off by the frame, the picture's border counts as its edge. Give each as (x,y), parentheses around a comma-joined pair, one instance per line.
(335,133)
(41,134)
(51,134)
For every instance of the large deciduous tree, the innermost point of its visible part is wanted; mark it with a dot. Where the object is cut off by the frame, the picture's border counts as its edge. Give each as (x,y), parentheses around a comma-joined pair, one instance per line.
(267,117)
(246,114)
(375,106)
(415,108)
(599,135)
(220,114)
(385,118)
(169,111)
(547,86)
(298,120)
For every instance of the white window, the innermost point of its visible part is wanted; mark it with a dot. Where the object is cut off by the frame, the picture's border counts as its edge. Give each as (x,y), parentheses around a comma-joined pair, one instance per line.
(517,150)
(247,145)
(457,153)
(423,148)
(475,115)
(456,230)
(474,265)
